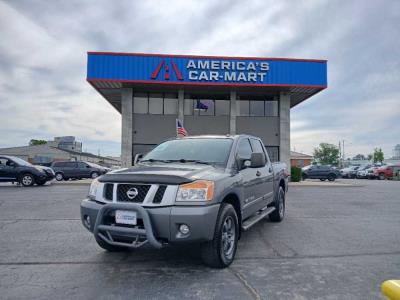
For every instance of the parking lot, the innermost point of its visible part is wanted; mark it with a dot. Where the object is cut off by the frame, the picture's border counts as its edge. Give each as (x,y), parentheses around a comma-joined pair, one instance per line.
(336,242)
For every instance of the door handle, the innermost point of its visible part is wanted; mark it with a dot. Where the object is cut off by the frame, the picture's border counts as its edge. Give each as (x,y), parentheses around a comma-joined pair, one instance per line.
(258,173)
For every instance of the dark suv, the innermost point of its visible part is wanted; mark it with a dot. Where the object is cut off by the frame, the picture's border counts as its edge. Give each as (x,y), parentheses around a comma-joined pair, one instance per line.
(14,169)
(65,170)
(321,172)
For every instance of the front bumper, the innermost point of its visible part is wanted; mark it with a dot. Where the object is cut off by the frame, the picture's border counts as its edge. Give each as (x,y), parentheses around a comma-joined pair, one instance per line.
(156,225)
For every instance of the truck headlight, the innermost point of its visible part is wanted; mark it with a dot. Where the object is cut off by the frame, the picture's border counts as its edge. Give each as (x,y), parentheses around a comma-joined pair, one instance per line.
(93,189)
(200,190)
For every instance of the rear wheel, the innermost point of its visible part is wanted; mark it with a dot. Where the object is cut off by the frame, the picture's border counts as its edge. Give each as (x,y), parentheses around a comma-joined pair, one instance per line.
(59,176)
(27,179)
(221,250)
(331,177)
(94,175)
(382,176)
(110,248)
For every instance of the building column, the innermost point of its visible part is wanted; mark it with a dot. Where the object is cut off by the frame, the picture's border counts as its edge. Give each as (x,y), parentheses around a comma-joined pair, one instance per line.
(284,131)
(232,120)
(127,127)
(181,101)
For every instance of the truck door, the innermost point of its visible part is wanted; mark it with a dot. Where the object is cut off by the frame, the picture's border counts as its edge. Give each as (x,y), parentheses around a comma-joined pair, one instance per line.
(265,174)
(252,196)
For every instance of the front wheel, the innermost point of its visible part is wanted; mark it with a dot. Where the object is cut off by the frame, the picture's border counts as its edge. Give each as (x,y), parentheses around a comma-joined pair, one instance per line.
(27,180)
(221,250)
(331,177)
(94,175)
(382,176)
(279,213)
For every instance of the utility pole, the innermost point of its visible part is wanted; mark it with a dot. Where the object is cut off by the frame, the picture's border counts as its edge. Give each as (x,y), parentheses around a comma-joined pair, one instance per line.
(343,151)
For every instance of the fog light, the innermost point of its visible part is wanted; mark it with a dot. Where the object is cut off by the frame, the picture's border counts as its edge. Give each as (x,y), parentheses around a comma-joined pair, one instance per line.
(86,220)
(184,229)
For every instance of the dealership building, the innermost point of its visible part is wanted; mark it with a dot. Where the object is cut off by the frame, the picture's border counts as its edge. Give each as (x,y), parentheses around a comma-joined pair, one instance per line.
(209,94)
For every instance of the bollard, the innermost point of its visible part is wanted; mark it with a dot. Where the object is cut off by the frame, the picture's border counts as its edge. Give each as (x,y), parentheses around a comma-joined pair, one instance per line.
(391,289)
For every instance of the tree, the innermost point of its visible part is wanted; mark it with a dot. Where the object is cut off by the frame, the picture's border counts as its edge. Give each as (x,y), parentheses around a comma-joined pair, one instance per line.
(370,156)
(359,157)
(34,142)
(378,155)
(327,154)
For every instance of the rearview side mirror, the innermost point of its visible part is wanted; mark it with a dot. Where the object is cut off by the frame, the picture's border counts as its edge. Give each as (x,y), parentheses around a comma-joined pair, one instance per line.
(138,158)
(257,160)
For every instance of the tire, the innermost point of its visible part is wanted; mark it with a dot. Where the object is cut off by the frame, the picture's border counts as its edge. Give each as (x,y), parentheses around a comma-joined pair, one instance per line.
(59,176)
(322,179)
(220,251)
(331,177)
(27,179)
(279,213)
(382,176)
(304,177)
(110,248)
(94,175)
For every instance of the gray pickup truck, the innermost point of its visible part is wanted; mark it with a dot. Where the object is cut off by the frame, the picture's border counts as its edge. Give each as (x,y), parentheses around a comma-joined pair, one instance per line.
(200,189)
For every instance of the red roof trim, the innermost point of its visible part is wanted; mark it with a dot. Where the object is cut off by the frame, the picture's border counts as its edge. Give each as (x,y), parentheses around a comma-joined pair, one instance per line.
(206,56)
(153,82)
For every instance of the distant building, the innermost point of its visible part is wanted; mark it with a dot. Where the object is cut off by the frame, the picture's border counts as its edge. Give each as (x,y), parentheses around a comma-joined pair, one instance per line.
(66,143)
(396,152)
(299,159)
(45,155)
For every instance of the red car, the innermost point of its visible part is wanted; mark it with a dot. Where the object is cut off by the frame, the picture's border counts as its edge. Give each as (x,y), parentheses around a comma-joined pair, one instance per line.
(384,172)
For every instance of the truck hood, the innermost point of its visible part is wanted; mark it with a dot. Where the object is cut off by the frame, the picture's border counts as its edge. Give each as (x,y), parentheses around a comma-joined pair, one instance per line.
(178,173)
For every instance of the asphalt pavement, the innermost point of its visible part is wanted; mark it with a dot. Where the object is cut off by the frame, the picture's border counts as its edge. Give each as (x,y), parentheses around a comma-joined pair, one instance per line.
(336,242)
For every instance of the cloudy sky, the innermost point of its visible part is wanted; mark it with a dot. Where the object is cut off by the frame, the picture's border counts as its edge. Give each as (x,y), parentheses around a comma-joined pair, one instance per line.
(43,45)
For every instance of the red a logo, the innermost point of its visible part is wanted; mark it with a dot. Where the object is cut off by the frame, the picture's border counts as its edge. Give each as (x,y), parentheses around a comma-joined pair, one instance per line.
(167,70)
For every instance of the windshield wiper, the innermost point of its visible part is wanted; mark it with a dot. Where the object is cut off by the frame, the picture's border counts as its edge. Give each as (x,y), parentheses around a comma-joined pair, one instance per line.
(157,160)
(183,160)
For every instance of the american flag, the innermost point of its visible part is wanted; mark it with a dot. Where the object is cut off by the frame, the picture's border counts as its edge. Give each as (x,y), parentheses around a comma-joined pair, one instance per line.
(180,130)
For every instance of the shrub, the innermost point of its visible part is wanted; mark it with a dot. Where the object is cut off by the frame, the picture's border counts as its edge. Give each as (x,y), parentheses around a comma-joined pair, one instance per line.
(295,174)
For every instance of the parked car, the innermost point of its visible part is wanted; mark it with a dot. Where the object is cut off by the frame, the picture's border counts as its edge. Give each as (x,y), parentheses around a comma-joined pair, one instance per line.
(349,172)
(362,172)
(65,170)
(15,169)
(385,172)
(206,190)
(321,172)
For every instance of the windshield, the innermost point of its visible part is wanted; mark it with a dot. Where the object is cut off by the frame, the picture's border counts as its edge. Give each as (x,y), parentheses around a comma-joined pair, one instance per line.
(21,162)
(94,165)
(208,150)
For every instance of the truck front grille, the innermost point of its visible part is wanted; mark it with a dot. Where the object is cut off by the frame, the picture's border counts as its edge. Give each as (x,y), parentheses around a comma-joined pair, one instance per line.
(160,194)
(134,193)
(108,191)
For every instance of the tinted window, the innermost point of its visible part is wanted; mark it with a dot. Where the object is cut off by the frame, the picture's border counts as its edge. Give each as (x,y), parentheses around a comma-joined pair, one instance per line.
(81,165)
(222,108)
(70,164)
(140,103)
(257,108)
(207,150)
(156,104)
(257,147)
(244,149)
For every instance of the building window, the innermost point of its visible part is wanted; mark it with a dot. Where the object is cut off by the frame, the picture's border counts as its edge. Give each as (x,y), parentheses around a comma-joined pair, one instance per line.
(140,103)
(204,107)
(258,108)
(273,153)
(188,107)
(170,104)
(244,108)
(156,104)
(271,108)
(222,107)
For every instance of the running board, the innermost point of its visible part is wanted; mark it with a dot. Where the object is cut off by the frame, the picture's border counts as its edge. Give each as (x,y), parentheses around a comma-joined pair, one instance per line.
(257,217)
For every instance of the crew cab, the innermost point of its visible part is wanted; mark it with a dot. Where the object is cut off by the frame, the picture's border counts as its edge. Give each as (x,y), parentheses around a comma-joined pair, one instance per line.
(201,189)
